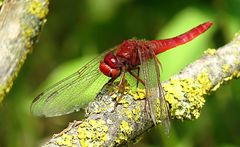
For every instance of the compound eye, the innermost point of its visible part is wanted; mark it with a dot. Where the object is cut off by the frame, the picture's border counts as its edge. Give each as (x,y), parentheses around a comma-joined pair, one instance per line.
(105,69)
(111,60)
(108,71)
(115,73)
(114,62)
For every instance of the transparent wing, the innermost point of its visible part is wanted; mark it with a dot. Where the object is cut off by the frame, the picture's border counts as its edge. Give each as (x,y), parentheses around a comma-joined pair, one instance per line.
(150,72)
(71,93)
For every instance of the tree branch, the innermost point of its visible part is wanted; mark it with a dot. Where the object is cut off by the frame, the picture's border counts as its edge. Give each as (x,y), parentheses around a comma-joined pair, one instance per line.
(106,125)
(20,24)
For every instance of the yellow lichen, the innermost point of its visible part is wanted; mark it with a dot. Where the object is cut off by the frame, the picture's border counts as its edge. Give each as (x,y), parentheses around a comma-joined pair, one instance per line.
(186,96)
(124,127)
(122,100)
(216,86)
(93,132)
(204,81)
(98,109)
(65,140)
(136,113)
(27,33)
(170,97)
(228,78)
(210,52)
(60,142)
(226,68)
(138,94)
(2,93)
(125,131)
(236,74)
(39,9)
(92,122)
(128,113)
(114,95)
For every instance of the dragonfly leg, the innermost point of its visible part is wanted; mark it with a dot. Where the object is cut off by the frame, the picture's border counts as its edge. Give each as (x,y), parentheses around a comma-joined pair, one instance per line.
(111,80)
(137,76)
(122,83)
(121,87)
(138,70)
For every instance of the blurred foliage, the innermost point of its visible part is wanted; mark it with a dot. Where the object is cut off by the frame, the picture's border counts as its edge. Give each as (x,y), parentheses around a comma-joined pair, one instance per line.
(78,30)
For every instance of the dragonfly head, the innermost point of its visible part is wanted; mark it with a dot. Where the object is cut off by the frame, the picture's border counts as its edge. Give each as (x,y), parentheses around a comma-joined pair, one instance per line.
(110,66)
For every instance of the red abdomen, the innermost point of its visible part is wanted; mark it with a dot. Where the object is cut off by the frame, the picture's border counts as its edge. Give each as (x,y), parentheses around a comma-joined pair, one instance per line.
(163,45)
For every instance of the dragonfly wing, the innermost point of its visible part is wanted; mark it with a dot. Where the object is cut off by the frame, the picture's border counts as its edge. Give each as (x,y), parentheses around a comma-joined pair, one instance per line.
(150,72)
(71,93)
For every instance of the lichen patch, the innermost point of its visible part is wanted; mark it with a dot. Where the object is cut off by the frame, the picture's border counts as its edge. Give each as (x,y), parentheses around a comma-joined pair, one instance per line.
(210,52)
(38,9)
(185,96)
(125,131)
(92,132)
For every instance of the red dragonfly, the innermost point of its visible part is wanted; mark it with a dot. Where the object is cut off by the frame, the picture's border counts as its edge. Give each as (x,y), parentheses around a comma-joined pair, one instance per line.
(132,57)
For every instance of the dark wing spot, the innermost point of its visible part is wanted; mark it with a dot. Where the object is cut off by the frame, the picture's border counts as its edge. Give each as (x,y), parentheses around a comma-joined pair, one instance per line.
(51,95)
(37,97)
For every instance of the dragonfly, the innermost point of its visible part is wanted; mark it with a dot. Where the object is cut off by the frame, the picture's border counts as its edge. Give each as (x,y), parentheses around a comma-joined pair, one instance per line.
(138,58)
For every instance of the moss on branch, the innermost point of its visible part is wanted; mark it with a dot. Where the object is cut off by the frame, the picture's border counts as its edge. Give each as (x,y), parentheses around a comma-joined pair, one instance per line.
(107,125)
(21,22)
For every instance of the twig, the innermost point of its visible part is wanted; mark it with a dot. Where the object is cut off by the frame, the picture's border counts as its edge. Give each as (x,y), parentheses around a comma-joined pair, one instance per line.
(20,24)
(106,126)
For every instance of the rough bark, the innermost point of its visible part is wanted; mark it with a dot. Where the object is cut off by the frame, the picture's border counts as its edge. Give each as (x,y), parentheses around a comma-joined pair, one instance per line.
(106,125)
(21,22)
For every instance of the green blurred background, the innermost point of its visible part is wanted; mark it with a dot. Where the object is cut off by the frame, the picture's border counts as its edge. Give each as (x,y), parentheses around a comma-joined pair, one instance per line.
(76,31)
